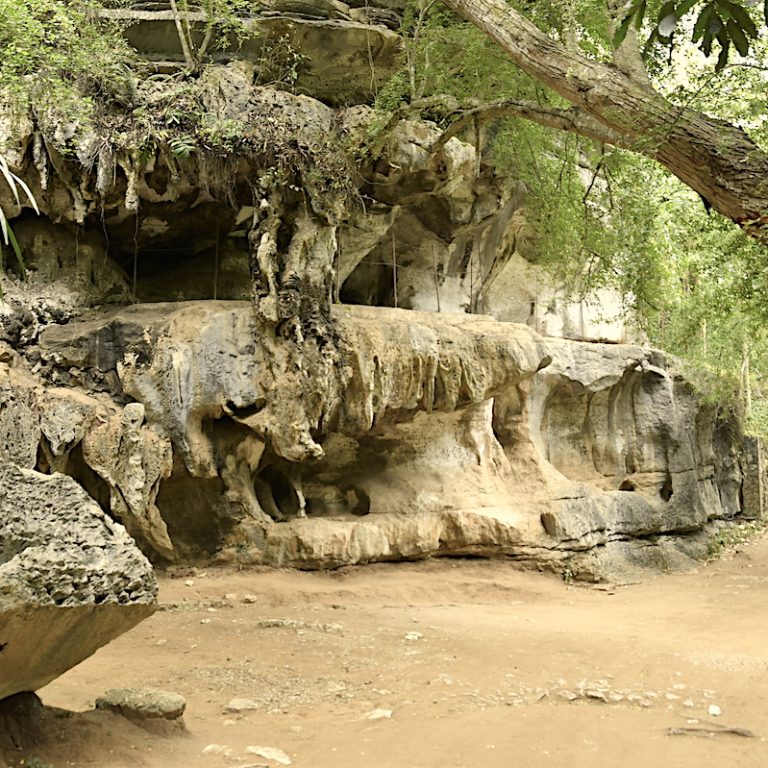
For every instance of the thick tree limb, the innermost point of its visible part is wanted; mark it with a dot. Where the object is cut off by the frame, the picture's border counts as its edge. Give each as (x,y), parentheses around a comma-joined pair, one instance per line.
(717,160)
(627,56)
(572,120)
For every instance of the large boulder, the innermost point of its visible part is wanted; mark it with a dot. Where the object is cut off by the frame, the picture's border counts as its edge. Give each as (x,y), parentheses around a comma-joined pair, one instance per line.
(71,579)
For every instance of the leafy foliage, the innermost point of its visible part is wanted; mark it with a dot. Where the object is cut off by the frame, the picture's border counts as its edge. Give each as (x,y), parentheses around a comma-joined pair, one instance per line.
(607,218)
(221,24)
(725,22)
(8,238)
(59,58)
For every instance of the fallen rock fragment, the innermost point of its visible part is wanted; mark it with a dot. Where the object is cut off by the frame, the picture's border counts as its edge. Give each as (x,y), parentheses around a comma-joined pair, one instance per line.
(269,753)
(217,749)
(241,705)
(140,703)
(71,579)
(378,714)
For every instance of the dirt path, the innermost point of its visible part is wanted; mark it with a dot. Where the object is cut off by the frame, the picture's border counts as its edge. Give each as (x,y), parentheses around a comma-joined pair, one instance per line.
(479,665)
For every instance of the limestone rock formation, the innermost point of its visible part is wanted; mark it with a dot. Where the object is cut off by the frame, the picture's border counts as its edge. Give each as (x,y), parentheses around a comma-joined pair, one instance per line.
(307,376)
(71,579)
(345,53)
(434,434)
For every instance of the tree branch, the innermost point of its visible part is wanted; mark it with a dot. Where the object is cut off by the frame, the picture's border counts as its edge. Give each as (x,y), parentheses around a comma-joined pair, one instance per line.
(716,159)
(572,120)
(403,112)
(185,48)
(627,56)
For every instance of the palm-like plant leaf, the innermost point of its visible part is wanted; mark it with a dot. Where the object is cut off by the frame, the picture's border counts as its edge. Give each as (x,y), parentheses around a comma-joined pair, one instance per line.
(8,238)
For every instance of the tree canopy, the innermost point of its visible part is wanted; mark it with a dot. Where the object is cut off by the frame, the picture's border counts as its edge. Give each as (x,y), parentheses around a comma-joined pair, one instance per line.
(589,110)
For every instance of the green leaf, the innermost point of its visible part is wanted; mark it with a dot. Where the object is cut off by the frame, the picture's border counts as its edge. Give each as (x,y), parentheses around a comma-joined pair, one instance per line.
(702,23)
(17,251)
(765,11)
(725,45)
(684,7)
(716,25)
(640,13)
(737,36)
(3,226)
(14,182)
(622,29)
(742,17)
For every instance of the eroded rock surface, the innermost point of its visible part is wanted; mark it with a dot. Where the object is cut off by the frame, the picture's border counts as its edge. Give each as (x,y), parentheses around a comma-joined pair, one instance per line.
(71,579)
(143,703)
(315,383)
(434,434)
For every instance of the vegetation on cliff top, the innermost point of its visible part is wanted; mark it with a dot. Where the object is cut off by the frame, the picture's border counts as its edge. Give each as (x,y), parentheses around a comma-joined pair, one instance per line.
(605,211)
(604,215)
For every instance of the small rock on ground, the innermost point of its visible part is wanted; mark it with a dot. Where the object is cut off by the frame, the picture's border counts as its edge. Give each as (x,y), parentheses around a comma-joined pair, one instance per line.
(217,749)
(241,705)
(143,703)
(269,753)
(379,714)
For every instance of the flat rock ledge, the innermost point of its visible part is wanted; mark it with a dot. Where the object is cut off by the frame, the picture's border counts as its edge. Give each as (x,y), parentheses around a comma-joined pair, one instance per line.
(71,579)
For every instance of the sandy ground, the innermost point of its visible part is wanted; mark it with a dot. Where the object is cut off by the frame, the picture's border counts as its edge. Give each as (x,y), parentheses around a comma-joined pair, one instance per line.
(476,664)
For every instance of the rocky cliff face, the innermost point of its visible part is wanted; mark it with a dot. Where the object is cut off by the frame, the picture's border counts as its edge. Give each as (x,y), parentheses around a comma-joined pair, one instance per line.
(278,354)
(423,434)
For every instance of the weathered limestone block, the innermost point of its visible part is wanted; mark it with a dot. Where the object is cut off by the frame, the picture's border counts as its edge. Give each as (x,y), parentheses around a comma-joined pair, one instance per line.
(19,422)
(200,365)
(132,459)
(411,434)
(66,416)
(320,544)
(71,579)
(74,262)
(206,361)
(345,59)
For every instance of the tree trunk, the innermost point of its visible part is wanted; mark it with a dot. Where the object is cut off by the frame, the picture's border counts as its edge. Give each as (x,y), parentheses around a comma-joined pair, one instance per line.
(717,160)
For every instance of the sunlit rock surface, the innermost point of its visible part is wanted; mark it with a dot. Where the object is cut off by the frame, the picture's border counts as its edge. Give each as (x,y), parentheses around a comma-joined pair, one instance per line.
(442,434)
(322,342)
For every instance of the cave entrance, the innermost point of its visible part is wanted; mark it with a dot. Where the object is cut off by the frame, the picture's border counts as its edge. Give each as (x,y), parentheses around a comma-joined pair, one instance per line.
(276,493)
(180,252)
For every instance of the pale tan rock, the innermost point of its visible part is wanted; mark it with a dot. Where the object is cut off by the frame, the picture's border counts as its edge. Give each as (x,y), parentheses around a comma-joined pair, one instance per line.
(427,434)
(143,703)
(133,459)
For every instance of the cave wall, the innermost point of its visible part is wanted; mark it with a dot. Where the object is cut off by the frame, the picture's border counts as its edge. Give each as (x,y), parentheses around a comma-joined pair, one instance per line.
(447,434)
(268,356)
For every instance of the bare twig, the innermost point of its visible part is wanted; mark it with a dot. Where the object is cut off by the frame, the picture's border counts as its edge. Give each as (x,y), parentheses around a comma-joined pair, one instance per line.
(182,36)
(710,731)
